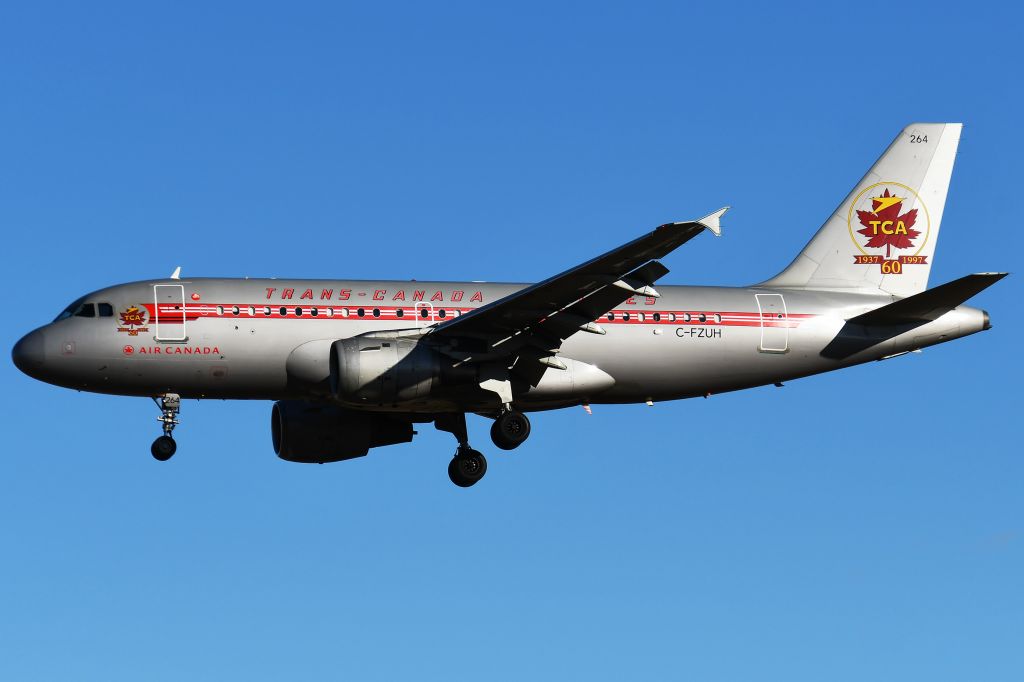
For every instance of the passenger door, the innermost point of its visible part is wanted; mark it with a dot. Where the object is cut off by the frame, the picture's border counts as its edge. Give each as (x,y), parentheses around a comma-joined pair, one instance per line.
(774,323)
(169,312)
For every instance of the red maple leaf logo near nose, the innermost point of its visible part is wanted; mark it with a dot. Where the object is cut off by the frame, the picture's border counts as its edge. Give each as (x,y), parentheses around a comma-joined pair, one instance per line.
(884,226)
(133,317)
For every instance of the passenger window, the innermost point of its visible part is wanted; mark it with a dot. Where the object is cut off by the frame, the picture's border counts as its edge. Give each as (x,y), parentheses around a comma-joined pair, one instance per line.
(656,316)
(106,310)
(360,312)
(376,312)
(441,313)
(314,312)
(400,313)
(423,312)
(283,311)
(86,310)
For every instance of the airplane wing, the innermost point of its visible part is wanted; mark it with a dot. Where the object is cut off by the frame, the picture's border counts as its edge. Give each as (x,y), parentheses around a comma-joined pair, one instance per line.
(527,327)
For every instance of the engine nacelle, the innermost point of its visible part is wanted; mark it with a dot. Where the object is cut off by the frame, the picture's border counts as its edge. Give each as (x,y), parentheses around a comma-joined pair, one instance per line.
(318,432)
(380,371)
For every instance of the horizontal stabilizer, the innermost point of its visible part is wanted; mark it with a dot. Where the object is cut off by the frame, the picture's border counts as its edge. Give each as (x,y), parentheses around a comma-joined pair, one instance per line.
(931,304)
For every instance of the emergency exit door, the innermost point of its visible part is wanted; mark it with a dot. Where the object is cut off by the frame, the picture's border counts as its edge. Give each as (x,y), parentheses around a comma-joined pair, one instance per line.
(774,323)
(169,312)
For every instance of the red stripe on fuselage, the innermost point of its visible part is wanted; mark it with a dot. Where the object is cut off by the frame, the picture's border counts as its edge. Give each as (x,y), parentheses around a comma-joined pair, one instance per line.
(172,314)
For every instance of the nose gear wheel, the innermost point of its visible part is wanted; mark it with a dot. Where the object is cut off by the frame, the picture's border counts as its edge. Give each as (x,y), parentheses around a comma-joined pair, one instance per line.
(164,447)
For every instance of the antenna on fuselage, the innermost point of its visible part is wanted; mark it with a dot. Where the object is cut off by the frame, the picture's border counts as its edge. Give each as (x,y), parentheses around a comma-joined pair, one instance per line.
(177,273)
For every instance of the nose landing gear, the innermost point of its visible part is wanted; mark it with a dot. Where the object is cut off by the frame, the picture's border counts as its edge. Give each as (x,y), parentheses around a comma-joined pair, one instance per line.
(164,447)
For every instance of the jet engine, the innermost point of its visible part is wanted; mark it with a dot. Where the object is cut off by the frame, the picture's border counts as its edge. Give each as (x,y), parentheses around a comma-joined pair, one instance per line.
(390,371)
(320,432)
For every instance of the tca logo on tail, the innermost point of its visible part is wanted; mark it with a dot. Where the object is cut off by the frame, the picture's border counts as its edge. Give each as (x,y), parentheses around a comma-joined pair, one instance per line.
(884,225)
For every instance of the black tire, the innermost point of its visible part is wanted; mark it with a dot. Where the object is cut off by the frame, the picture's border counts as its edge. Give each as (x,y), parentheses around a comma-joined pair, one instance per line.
(510,430)
(467,468)
(163,448)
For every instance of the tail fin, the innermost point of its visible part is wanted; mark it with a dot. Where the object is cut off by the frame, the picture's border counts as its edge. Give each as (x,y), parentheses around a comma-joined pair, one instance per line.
(882,237)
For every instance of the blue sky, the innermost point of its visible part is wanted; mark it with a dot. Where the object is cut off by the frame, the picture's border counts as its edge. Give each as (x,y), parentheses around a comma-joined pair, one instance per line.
(860,525)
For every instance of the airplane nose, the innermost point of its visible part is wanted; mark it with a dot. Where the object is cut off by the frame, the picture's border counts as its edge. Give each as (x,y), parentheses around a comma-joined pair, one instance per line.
(28,353)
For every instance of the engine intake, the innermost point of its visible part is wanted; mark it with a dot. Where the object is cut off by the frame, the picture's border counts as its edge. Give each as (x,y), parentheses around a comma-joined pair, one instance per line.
(319,432)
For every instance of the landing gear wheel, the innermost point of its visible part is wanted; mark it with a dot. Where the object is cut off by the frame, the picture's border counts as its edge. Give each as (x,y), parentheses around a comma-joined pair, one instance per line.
(163,448)
(467,467)
(510,430)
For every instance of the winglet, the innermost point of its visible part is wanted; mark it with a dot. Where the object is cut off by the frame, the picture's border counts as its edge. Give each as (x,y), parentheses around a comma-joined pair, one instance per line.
(177,273)
(712,221)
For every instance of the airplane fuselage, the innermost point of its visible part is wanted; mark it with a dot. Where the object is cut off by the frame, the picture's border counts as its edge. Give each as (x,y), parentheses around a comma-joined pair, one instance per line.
(270,339)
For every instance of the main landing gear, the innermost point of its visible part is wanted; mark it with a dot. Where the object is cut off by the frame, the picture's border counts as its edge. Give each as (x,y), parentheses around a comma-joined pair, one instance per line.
(164,447)
(510,430)
(468,466)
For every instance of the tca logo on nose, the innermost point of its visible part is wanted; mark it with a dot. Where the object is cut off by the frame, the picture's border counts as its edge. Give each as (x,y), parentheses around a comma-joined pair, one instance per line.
(133,320)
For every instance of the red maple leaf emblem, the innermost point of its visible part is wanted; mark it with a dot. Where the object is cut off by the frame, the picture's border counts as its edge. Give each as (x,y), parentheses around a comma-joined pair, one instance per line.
(884,226)
(133,317)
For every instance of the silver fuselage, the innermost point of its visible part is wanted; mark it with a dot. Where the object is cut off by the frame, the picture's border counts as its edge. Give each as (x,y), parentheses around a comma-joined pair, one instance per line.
(260,339)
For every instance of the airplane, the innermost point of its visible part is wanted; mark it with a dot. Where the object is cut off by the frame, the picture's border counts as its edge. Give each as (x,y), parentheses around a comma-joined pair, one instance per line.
(355,365)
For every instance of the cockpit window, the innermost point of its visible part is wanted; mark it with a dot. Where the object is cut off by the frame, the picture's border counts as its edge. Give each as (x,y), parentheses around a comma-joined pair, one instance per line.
(70,310)
(82,309)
